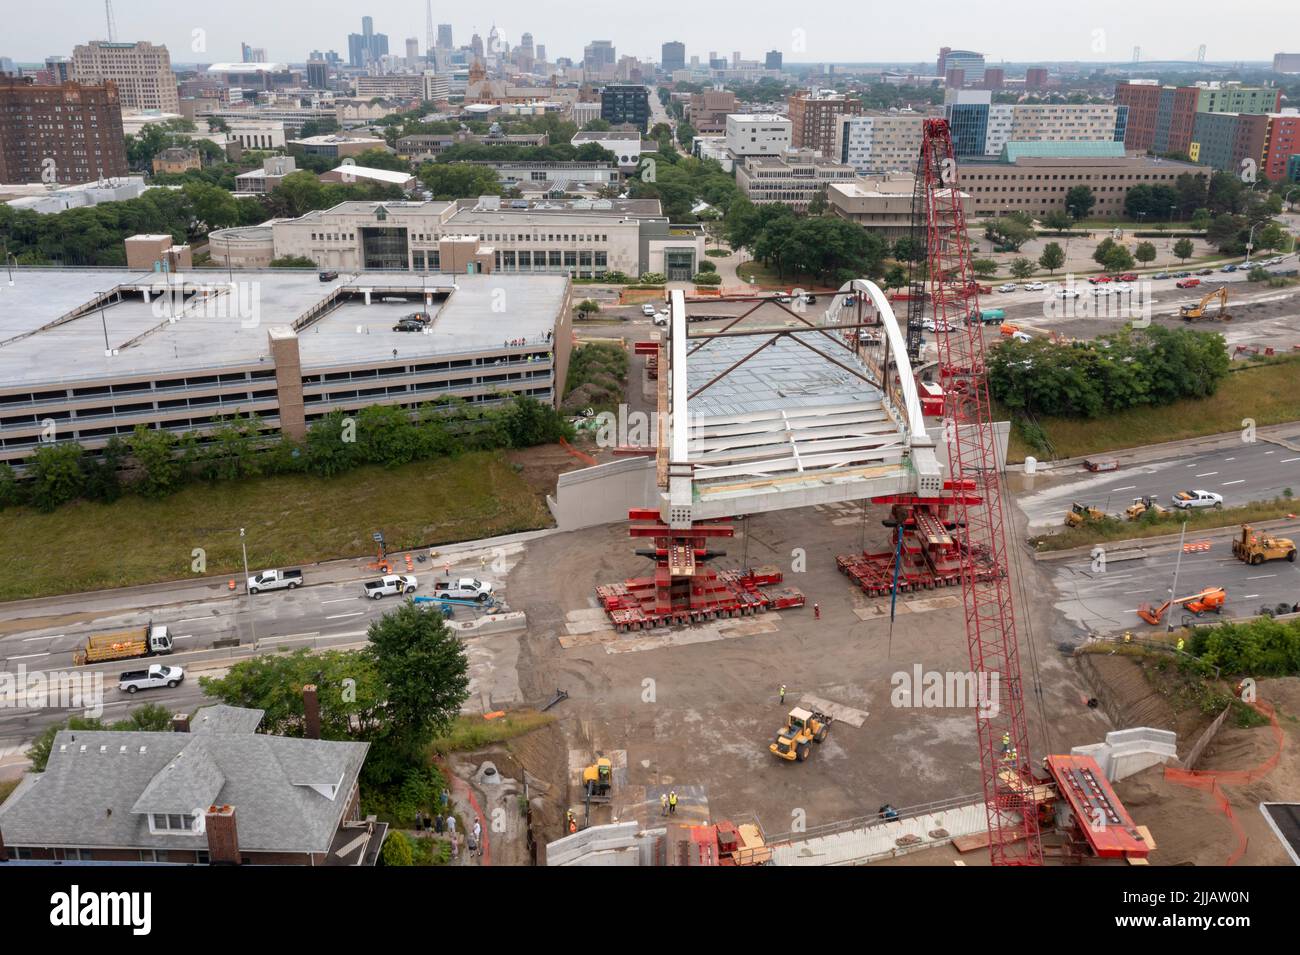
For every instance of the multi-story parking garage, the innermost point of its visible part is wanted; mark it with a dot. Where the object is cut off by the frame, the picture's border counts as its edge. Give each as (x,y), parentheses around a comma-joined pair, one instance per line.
(86,355)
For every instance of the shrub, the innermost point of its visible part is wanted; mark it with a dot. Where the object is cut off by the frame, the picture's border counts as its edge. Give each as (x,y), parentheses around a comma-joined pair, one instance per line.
(397,850)
(707,278)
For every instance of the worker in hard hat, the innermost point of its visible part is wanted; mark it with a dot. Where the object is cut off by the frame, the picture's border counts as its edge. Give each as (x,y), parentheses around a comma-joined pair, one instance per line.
(571,820)
(1180,645)
(1006,742)
(672,802)
(663,804)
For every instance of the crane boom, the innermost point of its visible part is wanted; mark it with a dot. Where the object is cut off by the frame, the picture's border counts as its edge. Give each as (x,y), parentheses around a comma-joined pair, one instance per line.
(1001,725)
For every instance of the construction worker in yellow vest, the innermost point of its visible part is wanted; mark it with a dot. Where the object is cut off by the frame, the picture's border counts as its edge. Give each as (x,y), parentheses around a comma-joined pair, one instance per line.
(1180,645)
(672,802)
(663,804)
(1009,756)
(1006,742)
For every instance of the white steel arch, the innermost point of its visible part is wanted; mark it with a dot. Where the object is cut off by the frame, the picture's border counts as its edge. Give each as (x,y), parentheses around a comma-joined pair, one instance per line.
(773,444)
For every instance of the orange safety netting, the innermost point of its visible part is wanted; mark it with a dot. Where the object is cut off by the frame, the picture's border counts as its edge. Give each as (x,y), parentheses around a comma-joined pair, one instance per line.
(1209,780)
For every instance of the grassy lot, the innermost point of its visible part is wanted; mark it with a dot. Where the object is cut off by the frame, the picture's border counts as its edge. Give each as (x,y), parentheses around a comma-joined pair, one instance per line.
(1118,529)
(7,786)
(1265,392)
(474,732)
(290,520)
(762,275)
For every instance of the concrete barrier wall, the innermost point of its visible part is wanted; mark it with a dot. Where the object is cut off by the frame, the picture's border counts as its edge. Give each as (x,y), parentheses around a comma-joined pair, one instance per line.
(492,623)
(603,494)
(1126,752)
(616,844)
(879,841)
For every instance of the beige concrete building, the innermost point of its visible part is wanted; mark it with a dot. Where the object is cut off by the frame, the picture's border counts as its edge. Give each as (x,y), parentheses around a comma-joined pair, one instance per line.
(142,72)
(881,204)
(177,159)
(157,252)
(257,134)
(1039,185)
(707,111)
(793,178)
(583,238)
(186,350)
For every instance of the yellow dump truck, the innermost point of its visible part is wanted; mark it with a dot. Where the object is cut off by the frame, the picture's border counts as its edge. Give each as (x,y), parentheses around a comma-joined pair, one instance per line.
(146,641)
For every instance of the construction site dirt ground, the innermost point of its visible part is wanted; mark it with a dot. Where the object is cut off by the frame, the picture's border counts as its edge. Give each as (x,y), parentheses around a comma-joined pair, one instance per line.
(698,706)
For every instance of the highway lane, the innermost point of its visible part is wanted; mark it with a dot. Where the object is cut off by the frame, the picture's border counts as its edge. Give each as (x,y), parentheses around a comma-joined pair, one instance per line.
(1095,600)
(1256,471)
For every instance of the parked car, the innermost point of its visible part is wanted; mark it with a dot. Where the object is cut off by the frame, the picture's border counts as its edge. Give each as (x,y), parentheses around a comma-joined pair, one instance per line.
(1160,275)
(329,276)
(409,325)
(648,310)
(275,580)
(1228,268)
(1127,277)
(1034,287)
(1008,287)
(1122,289)
(661,318)
(1103,290)
(1205,271)
(1189,499)
(389,584)
(1021,337)
(1099,280)
(1182,275)
(1067,293)
(1188,283)
(158,675)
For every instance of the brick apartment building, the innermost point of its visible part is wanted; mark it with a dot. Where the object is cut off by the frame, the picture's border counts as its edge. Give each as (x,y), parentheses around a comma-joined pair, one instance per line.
(1162,119)
(707,111)
(77,126)
(813,116)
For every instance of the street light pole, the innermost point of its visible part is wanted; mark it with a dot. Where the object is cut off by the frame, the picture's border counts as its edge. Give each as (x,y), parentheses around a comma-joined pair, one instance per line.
(248,598)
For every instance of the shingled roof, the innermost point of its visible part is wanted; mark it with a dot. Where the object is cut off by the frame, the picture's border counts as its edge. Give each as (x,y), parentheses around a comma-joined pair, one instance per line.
(100,787)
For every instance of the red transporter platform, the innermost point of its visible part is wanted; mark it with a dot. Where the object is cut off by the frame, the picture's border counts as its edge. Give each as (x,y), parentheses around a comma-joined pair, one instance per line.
(684,588)
(1098,813)
(930,555)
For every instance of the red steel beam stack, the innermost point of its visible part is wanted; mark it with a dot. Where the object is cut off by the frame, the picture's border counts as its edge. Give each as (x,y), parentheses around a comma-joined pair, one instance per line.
(685,587)
(972,456)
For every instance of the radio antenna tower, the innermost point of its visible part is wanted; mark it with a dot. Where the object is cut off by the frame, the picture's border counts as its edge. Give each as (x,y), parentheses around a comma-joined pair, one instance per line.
(112,24)
(429,38)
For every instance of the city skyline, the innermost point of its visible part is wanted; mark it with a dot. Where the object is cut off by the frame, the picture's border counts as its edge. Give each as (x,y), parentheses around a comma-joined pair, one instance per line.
(1109,34)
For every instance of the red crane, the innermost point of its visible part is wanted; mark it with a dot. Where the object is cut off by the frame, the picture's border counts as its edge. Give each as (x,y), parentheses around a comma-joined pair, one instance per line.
(1002,729)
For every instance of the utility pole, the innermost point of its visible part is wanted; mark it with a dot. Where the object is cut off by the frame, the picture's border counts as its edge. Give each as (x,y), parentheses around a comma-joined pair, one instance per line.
(248,598)
(1173,587)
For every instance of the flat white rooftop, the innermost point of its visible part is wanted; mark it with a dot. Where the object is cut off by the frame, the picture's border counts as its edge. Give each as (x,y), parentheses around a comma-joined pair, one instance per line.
(470,312)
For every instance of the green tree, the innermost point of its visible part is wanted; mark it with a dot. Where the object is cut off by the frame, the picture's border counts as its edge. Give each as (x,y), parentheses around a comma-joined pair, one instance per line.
(397,849)
(154,452)
(895,278)
(293,262)
(528,422)
(332,444)
(382,159)
(300,192)
(1053,257)
(425,675)
(1079,201)
(1183,249)
(10,492)
(1102,250)
(55,475)
(1145,252)
(1057,221)
(1022,268)
(984,268)
(1118,259)
(459,180)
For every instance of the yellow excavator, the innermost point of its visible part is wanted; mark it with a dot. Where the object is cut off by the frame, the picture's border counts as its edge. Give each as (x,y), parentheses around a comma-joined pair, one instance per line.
(1079,514)
(1143,504)
(1255,550)
(802,728)
(598,780)
(1191,313)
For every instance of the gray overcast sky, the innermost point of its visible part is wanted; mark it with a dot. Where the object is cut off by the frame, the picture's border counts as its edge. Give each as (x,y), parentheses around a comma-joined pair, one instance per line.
(830,30)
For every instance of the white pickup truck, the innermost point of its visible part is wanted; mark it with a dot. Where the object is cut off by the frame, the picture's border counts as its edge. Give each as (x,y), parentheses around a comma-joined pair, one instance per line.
(1190,499)
(389,584)
(467,588)
(275,580)
(157,675)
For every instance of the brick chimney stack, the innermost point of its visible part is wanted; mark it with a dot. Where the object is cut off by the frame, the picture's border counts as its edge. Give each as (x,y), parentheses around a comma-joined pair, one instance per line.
(223,835)
(311,711)
(180,723)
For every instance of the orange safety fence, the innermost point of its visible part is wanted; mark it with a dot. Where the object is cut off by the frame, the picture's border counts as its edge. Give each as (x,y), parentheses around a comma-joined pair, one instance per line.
(1209,780)
(580,455)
